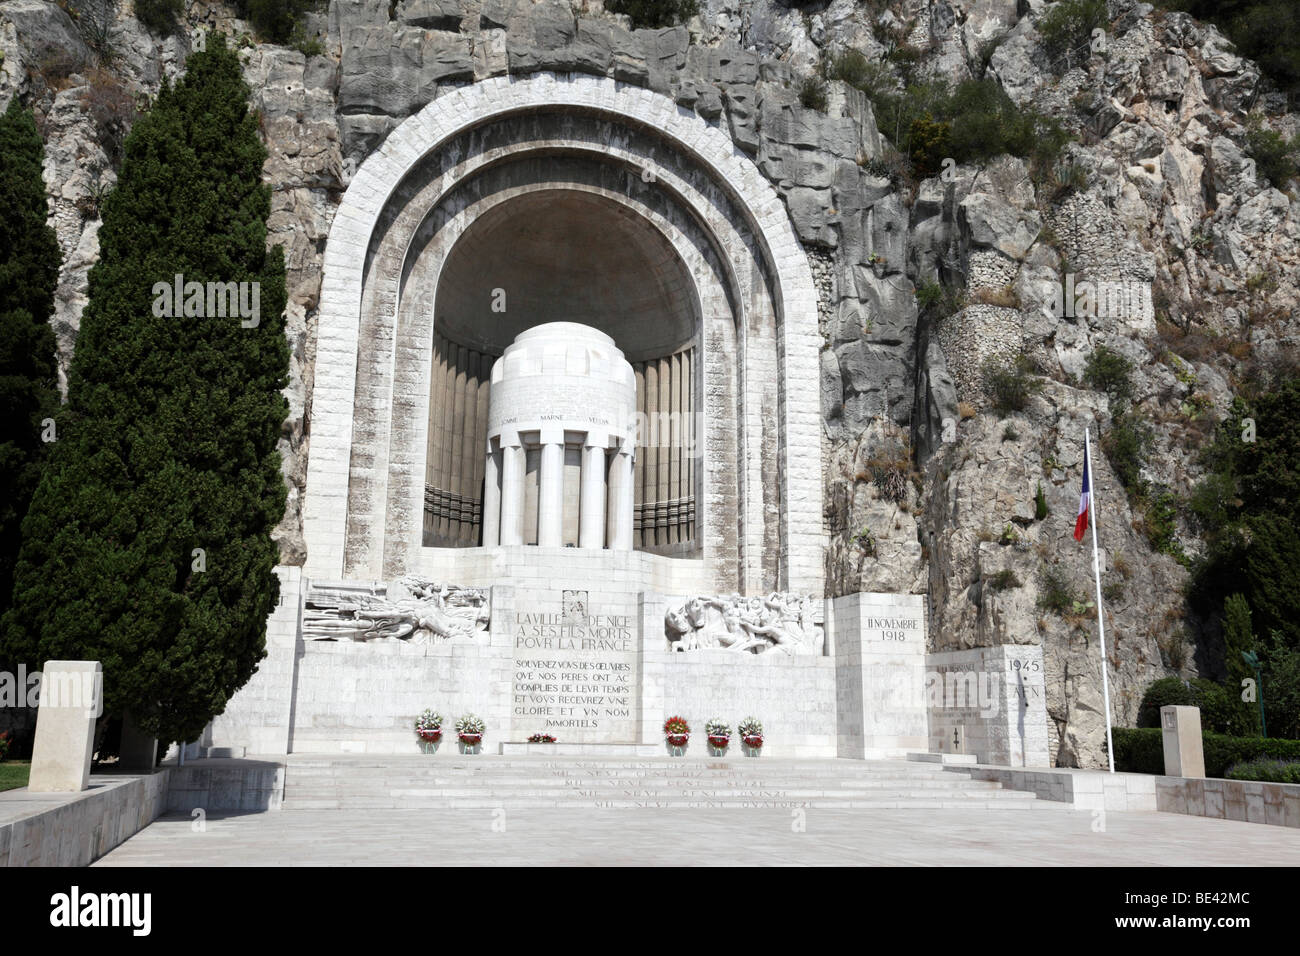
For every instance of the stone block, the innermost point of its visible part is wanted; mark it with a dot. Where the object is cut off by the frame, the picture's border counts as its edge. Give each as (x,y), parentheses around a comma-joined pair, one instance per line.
(71,700)
(1184,755)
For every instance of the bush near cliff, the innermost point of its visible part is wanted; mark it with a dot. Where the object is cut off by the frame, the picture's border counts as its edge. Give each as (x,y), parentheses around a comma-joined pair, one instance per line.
(1247,508)
(1266,31)
(1066,30)
(654,14)
(275,21)
(1275,771)
(1219,712)
(161,17)
(970,122)
(1141,750)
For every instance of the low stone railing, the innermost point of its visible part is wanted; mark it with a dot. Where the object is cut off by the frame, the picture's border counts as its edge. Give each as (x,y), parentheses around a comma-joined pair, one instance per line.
(1251,801)
(74,829)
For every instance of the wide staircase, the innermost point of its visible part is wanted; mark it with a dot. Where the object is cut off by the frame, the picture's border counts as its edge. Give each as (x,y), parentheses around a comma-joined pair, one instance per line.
(452,781)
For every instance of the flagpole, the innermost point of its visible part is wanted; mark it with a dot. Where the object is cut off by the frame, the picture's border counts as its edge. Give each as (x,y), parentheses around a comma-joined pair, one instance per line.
(1096,574)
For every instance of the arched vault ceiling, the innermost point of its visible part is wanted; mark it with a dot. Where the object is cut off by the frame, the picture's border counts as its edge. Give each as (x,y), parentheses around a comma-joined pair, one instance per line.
(565,256)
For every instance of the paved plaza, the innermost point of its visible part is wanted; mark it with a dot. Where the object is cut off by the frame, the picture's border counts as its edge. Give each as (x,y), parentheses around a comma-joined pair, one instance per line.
(1044,836)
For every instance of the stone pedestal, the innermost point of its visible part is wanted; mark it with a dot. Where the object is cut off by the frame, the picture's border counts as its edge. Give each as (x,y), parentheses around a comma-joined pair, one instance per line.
(71,699)
(878,641)
(1184,753)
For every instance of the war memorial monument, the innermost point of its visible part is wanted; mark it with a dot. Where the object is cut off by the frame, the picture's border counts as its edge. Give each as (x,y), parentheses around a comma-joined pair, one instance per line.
(567,461)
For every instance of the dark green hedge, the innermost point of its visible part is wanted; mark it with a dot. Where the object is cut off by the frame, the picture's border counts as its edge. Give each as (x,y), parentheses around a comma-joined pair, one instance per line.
(1141,750)
(1269,771)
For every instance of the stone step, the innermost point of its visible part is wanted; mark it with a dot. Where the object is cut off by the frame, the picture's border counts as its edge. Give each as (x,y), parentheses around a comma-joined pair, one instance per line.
(520,803)
(453,781)
(585,750)
(525,785)
(486,768)
(451,753)
(502,762)
(671,792)
(947,760)
(503,773)
(292,785)
(292,788)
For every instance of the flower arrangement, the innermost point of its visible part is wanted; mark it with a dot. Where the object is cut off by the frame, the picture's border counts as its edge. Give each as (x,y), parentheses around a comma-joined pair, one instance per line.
(677,731)
(428,726)
(470,728)
(541,739)
(751,732)
(719,733)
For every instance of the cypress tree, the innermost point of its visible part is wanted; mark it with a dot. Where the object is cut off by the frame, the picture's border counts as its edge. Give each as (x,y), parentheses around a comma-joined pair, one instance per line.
(1239,639)
(29,270)
(148,544)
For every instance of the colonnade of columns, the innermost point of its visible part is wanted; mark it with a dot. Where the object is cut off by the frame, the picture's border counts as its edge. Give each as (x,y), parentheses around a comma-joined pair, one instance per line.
(605,499)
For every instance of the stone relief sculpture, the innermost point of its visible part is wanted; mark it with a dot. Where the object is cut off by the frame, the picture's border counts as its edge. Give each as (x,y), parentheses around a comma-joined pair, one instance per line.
(782,622)
(411,609)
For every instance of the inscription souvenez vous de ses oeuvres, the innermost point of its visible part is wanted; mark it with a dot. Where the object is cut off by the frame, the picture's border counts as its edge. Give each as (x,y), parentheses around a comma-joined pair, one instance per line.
(583,686)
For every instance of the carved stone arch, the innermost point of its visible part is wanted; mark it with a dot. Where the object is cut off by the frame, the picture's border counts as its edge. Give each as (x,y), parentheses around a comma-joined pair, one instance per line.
(717,319)
(783,455)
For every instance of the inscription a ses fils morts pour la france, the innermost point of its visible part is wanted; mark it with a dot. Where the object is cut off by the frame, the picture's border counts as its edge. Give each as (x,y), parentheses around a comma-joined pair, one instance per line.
(573,671)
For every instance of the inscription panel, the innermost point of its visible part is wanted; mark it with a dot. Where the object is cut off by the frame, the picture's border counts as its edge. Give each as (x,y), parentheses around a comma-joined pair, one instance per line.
(575,671)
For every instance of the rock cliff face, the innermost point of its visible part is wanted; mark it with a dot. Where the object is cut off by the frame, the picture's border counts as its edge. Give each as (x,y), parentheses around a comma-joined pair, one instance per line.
(927,488)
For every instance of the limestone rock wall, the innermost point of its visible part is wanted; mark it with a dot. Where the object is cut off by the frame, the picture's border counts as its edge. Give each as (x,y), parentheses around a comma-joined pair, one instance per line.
(919,490)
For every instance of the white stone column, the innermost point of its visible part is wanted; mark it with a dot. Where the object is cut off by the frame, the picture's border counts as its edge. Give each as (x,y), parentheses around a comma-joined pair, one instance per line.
(492,501)
(591,508)
(621,499)
(550,495)
(512,494)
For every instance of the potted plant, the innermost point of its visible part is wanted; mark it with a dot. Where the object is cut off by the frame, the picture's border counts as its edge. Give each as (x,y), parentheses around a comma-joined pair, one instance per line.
(541,739)
(5,740)
(469,730)
(719,733)
(751,736)
(428,727)
(677,733)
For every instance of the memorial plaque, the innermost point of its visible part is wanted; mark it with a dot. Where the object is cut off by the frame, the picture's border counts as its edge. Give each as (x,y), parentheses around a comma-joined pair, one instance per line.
(575,671)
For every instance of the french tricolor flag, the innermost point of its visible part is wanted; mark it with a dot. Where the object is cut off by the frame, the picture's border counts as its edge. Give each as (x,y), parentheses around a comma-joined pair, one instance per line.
(1085,499)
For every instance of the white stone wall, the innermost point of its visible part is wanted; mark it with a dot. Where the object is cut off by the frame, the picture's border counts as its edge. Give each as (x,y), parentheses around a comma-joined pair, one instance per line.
(991,702)
(256,720)
(872,694)
(559,568)
(364,698)
(794,697)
